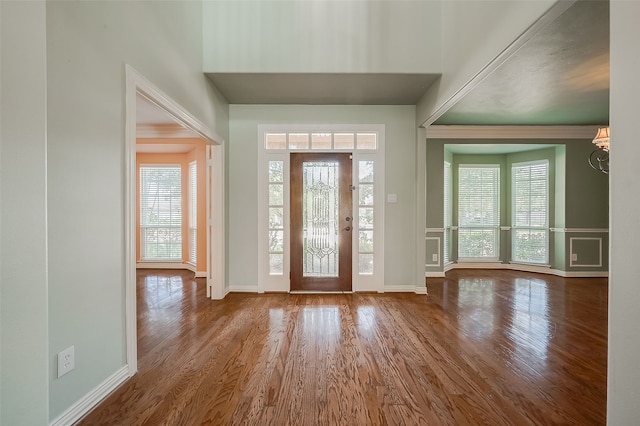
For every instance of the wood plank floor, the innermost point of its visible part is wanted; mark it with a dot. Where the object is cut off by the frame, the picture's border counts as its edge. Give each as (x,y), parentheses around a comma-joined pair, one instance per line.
(483,348)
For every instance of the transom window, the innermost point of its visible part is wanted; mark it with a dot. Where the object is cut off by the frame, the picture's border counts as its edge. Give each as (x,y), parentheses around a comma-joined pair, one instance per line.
(323,141)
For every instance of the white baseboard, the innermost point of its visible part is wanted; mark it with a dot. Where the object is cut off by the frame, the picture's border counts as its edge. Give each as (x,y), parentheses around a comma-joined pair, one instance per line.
(399,289)
(583,274)
(201,274)
(435,274)
(243,289)
(524,268)
(165,265)
(421,290)
(90,400)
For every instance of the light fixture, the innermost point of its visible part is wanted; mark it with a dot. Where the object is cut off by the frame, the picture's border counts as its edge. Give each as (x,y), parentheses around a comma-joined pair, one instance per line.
(599,159)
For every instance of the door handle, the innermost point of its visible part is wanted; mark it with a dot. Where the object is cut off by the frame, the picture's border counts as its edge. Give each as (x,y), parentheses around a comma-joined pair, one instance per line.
(348,228)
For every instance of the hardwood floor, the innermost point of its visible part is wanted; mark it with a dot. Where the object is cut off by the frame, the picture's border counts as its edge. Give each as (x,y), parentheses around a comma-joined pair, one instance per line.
(484,347)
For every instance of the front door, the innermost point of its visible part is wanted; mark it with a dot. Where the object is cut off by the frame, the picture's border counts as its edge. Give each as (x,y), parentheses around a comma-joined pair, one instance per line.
(321,221)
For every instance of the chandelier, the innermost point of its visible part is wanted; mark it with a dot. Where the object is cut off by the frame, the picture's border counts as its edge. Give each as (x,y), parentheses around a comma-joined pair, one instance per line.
(599,159)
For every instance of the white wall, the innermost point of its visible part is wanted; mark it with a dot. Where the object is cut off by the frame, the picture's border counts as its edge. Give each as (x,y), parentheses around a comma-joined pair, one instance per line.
(473,34)
(88,45)
(23,275)
(322,36)
(623,393)
(400,148)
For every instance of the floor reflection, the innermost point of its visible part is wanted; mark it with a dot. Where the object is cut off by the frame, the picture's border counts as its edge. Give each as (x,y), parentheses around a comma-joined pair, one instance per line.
(321,321)
(529,329)
(366,320)
(476,314)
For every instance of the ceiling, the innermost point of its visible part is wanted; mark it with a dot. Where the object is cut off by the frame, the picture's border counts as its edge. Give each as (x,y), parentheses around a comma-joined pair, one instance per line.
(559,77)
(154,123)
(323,89)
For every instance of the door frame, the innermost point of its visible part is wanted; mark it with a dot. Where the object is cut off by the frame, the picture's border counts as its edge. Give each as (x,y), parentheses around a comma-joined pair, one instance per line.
(280,282)
(136,84)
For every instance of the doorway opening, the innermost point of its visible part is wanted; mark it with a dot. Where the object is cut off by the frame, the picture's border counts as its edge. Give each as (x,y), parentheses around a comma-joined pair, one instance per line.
(166,117)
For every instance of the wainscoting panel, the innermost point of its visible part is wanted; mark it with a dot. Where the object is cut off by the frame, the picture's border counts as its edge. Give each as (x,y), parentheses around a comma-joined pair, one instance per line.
(585,252)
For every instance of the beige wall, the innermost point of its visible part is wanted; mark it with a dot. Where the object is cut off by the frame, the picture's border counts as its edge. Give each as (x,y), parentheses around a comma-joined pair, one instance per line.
(195,151)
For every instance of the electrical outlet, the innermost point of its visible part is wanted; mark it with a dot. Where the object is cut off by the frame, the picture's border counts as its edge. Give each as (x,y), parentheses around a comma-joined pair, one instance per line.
(434,257)
(574,257)
(66,361)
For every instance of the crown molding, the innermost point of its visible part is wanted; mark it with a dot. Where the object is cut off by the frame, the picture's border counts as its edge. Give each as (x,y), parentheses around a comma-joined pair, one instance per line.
(168,130)
(511,132)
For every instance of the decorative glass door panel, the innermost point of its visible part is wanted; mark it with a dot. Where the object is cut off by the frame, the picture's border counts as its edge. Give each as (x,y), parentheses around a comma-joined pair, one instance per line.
(320,218)
(321,221)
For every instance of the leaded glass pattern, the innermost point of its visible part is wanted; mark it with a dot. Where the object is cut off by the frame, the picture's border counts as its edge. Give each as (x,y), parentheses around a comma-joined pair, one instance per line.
(320,218)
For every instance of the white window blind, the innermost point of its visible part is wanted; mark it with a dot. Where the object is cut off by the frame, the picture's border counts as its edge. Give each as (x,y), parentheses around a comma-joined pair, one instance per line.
(161,212)
(448,215)
(530,212)
(193,212)
(478,211)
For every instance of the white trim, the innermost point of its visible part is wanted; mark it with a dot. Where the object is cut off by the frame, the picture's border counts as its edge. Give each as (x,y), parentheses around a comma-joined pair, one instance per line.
(529,268)
(168,131)
(216,222)
(438,274)
(401,289)
(201,274)
(583,274)
(243,289)
(583,265)
(430,230)
(549,16)
(505,228)
(165,265)
(511,132)
(91,399)
(136,84)
(581,230)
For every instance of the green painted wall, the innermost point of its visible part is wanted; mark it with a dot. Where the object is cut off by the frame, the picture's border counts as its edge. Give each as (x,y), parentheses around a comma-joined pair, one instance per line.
(578,204)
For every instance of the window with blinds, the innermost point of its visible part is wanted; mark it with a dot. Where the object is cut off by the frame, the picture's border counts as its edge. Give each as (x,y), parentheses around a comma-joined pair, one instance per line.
(448,215)
(193,212)
(161,212)
(478,212)
(530,212)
